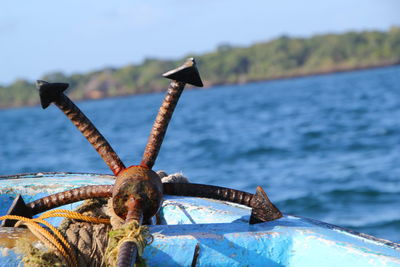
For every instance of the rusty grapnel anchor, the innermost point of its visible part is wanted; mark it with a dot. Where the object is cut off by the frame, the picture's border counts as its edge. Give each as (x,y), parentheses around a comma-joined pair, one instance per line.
(137,192)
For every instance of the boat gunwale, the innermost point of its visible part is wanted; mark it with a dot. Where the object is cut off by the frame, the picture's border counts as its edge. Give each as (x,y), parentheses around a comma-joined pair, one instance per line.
(38,175)
(334,227)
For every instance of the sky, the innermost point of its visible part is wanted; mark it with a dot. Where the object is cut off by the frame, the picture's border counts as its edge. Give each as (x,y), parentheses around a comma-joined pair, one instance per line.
(74,36)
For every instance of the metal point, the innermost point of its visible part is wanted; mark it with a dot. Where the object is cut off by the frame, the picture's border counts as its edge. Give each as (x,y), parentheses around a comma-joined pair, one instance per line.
(262,208)
(187,73)
(18,207)
(50,92)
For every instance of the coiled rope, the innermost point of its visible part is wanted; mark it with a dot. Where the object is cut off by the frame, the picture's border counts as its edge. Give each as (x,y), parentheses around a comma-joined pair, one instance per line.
(52,237)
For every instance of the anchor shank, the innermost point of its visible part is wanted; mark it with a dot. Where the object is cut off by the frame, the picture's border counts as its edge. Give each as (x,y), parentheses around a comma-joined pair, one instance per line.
(128,252)
(135,212)
(127,255)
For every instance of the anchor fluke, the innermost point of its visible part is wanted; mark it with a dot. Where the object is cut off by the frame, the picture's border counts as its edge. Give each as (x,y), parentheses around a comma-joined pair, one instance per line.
(187,73)
(262,208)
(50,92)
(18,207)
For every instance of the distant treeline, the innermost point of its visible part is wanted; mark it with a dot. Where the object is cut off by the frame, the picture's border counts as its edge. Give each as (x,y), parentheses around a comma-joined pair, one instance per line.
(279,58)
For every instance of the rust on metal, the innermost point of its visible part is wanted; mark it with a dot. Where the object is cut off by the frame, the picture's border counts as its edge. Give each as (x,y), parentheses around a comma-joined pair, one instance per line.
(68,197)
(142,184)
(187,73)
(262,208)
(208,191)
(128,252)
(135,210)
(53,92)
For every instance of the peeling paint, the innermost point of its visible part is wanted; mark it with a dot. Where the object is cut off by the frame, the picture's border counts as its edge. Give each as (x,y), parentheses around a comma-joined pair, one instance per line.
(4,252)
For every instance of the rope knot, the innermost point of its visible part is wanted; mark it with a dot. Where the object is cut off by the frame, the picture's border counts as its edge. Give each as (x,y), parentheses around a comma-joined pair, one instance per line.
(130,232)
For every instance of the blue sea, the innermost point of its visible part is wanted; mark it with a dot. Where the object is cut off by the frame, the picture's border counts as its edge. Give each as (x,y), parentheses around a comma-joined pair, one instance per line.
(325,147)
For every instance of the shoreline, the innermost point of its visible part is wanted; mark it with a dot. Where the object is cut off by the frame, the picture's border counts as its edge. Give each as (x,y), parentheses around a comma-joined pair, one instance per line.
(310,74)
(208,85)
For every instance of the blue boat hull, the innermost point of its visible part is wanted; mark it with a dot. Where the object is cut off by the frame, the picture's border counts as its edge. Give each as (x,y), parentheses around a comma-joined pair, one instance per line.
(219,230)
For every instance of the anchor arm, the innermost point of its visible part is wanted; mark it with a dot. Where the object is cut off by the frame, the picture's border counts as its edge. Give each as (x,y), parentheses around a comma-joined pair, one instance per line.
(185,74)
(54,93)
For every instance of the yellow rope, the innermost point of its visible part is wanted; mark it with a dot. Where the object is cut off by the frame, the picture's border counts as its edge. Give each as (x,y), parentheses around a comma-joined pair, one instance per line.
(73,215)
(58,234)
(58,242)
(43,235)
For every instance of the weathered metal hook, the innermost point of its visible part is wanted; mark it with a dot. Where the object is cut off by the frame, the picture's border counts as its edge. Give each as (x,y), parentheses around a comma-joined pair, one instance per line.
(54,93)
(185,74)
